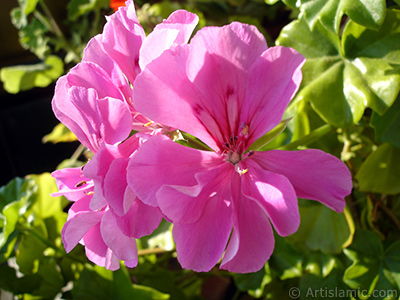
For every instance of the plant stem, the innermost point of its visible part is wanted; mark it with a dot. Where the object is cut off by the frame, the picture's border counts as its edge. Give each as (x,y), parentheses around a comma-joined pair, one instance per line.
(386,210)
(52,26)
(78,152)
(390,214)
(153,251)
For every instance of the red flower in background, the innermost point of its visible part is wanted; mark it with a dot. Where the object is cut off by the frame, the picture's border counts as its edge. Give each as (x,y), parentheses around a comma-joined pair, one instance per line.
(114,4)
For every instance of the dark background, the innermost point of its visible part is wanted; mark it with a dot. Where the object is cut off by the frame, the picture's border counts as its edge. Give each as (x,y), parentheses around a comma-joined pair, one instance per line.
(25,117)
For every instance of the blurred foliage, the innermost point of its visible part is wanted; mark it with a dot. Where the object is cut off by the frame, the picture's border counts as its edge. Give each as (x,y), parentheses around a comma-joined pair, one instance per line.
(348,105)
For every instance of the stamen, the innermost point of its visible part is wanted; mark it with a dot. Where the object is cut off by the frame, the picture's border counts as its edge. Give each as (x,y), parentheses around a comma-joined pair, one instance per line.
(245,129)
(80,184)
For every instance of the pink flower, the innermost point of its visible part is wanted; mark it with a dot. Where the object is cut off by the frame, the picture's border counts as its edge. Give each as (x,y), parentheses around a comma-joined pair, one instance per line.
(228,89)
(107,236)
(111,62)
(94,100)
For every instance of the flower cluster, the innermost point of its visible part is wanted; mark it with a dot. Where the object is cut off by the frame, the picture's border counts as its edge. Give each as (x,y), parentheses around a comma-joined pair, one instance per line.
(225,87)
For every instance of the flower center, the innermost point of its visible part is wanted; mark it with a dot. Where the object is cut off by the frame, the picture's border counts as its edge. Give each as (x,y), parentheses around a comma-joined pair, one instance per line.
(232,151)
(233,157)
(235,146)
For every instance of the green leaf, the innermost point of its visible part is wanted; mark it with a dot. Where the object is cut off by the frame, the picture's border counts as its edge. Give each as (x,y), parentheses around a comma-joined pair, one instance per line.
(370,13)
(292,3)
(51,281)
(77,8)
(25,77)
(323,229)
(249,281)
(28,6)
(46,206)
(300,126)
(98,283)
(322,277)
(33,38)
(387,126)
(377,57)
(16,190)
(18,18)
(271,2)
(373,269)
(17,285)
(380,172)
(358,41)
(316,287)
(94,284)
(30,251)
(285,260)
(342,79)
(146,293)
(310,43)
(254,283)
(59,134)
(124,289)
(15,198)
(269,136)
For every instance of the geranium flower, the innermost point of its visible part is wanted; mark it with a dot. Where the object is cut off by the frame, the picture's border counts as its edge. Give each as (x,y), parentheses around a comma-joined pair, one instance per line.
(94,101)
(228,89)
(107,229)
(111,62)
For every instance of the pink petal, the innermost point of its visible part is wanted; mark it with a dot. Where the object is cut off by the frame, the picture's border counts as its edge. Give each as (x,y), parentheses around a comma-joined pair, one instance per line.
(90,75)
(252,240)
(111,188)
(66,111)
(90,118)
(95,53)
(75,228)
(82,205)
(314,174)
(188,202)
(273,80)
(116,119)
(165,78)
(122,38)
(160,161)
(116,190)
(275,194)
(86,117)
(218,63)
(97,169)
(124,247)
(200,245)
(182,20)
(237,43)
(72,183)
(140,220)
(177,29)
(98,252)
